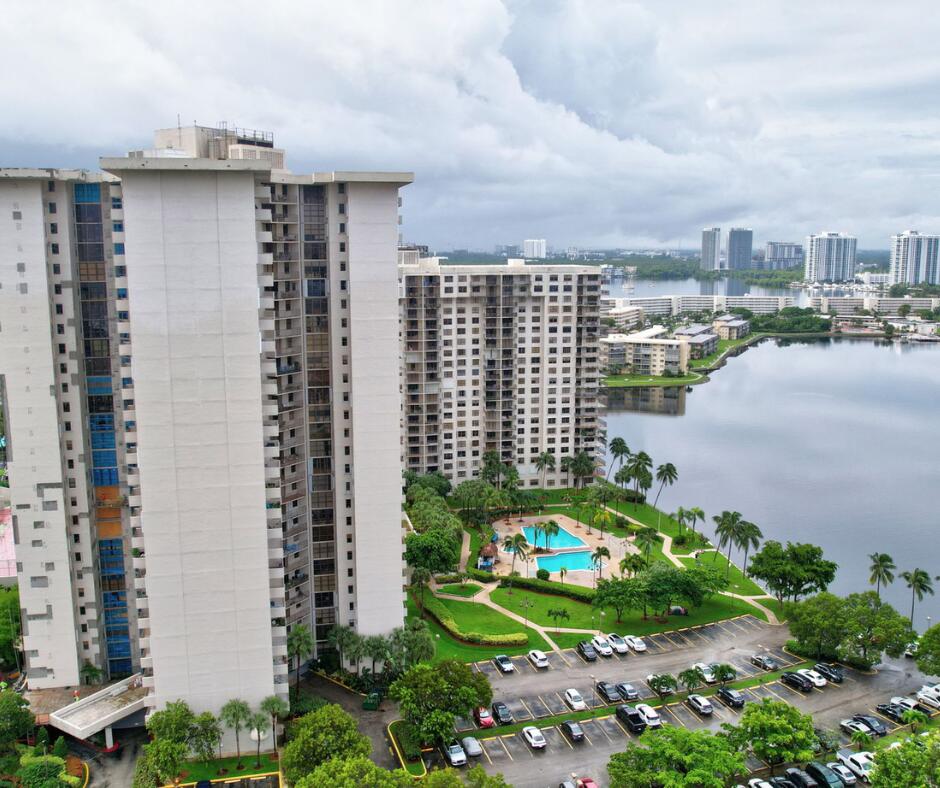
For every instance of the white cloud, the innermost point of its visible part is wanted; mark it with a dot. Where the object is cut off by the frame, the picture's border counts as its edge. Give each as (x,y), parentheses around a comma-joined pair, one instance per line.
(584,122)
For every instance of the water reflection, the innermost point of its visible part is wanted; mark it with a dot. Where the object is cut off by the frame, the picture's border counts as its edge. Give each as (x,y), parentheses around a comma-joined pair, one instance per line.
(666,400)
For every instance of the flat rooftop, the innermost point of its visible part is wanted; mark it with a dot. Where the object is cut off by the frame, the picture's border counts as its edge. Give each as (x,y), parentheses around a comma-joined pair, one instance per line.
(691,331)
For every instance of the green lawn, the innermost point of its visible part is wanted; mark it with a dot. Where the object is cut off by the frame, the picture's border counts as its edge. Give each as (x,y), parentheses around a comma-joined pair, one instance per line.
(737,582)
(194,771)
(468,590)
(635,381)
(723,346)
(482,619)
(716,608)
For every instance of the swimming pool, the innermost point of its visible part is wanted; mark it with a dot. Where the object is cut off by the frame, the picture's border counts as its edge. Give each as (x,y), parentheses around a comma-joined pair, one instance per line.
(579,559)
(562,539)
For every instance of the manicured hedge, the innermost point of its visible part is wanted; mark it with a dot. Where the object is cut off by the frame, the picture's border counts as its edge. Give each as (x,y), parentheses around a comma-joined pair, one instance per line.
(440,612)
(481,575)
(580,593)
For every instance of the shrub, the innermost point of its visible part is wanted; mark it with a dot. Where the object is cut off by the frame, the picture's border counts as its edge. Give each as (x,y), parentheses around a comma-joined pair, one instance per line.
(580,593)
(407,739)
(543,574)
(481,575)
(447,578)
(440,612)
(681,539)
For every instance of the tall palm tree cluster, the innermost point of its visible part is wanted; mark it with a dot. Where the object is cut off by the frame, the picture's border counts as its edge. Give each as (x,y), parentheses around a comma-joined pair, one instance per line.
(732,530)
(882,569)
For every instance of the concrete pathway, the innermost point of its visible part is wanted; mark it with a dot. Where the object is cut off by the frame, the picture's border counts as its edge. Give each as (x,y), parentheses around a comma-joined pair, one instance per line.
(464,551)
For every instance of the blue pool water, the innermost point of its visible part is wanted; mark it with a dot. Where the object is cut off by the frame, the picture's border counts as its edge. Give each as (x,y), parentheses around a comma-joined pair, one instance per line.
(580,559)
(562,539)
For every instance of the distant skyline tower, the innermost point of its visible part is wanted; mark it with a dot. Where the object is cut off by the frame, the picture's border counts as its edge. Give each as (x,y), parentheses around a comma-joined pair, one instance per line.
(534,249)
(830,257)
(740,247)
(711,249)
(914,259)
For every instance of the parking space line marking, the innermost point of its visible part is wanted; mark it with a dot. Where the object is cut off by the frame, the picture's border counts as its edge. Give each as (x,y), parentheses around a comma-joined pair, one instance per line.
(483,747)
(584,731)
(666,635)
(503,745)
(673,715)
(561,655)
(721,624)
(563,737)
(526,707)
(617,723)
(780,697)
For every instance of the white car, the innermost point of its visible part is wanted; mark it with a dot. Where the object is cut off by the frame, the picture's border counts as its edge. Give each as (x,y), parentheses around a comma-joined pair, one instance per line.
(852,726)
(859,763)
(534,737)
(573,698)
(601,646)
(455,755)
(471,746)
(617,643)
(928,699)
(842,772)
(538,658)
(907,703)
(701,704)
(757,782)
(813,676)
(707,672)
(930,689)
(653,720)
(637,644)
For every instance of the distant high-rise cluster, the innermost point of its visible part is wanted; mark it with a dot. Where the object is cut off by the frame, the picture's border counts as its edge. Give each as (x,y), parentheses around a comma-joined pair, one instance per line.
(740,248)
(534,249)
(830,257)
(914,259)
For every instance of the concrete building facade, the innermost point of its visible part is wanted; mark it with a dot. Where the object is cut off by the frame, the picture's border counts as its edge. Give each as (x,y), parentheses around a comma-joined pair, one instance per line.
(648,352)
(782,255)
(830,257)
(684,304)
(534,249)
(202,398)
(914,259)
(731,327)
(498,358)
(740,248)
(711,249)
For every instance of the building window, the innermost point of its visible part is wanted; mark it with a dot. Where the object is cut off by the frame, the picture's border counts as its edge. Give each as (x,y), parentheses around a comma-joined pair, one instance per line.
(116,203)
(117,227)
(52,207)
(55,250)
(119,248)
(54,228)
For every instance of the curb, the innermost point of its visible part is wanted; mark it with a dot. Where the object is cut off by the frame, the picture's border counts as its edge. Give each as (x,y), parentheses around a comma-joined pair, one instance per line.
(87,774)
(398,753)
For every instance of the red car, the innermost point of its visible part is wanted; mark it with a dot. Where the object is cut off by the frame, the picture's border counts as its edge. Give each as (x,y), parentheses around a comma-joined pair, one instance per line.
(483,717)
(586,782)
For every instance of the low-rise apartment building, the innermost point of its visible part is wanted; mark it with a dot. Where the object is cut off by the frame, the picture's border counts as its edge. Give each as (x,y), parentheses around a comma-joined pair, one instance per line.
(701,339)
(626,317)
(500,358)
(674,305)
(647,352)
(731,327)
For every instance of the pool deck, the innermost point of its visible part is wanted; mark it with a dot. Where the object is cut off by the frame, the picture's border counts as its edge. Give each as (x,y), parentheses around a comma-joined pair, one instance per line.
(513,525)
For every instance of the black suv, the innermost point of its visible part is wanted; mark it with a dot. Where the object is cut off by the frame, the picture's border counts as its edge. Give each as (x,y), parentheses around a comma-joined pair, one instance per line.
(502,714)
(796,681)
(731,697)
(586,650)
(800,778)
(876,725)
(572,730)
(823,775)
(892,711)
(627,691)
(608,691)
(830,672)
(630,717)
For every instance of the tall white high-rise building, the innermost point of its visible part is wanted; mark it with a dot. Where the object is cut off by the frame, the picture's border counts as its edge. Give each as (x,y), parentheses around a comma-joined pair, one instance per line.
(782,254)
(711,249)
(499,358)
(534,249)
(199,371)
(830,257)
(914,259)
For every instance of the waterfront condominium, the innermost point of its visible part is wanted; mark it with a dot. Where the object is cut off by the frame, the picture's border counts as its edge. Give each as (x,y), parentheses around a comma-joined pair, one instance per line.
(782,255)
(740,248)
(711,249)
(498,358)
(199,370)
(914,259)
(830,257)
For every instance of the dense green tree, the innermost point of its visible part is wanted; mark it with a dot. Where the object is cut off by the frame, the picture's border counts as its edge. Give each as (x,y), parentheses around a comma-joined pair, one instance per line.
(775,731)
(597,559)
(354,771)
(474,497)
(675,757)
(319,736)
(582,468)
(166,757)
(89,673)
(818,624)
(638,465)
(645,540)
(299,647)
(409,645)
(621,595)
(435,550)
(882,570)
(691,678)
(550,529)
(727,529)
(172,723)
(145,773)
(874,628)
(518,545)
(794,571)
(9,626)
(44,771)
(928,651)
(235,714)
(61,748)
(16,720)
(915,764)
(747,538)
(206,735)
(435,481)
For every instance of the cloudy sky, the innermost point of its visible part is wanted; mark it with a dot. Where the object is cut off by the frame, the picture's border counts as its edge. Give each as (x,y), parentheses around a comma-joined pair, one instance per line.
(592,123)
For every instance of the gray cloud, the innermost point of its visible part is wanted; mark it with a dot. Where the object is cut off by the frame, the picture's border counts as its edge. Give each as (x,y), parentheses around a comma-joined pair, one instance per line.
(584,122)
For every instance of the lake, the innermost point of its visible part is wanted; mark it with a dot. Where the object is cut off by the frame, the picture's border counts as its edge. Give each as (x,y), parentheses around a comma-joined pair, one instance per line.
(831,441)
(647,288)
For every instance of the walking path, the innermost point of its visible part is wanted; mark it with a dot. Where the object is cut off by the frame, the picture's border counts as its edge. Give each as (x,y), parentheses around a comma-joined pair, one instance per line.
(464,551)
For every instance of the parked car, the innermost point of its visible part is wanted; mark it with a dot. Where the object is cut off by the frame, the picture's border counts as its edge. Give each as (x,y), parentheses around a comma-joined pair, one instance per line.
(796,681)
(631,718)
(627,691)
(765,662)
(911,651)
(850,726)
(843,771)
(502,714)
(731,697)
(833,673)
(586,650)
(906,703)
(483,717)
(813,676)
(859,763)
(617,643)
(678,610)
(700,704)
(538,658)
(892,711)
(572,730)
(781,782)
(455,754)
(573,698)
(601,646)
(876,725)
(534,737)
(823,775)
(928,699)
(504,663)
(636,643)
(650,715)
(757,782)
(931,689)
(608,691)
(707,673)
(471,745)
(800,778)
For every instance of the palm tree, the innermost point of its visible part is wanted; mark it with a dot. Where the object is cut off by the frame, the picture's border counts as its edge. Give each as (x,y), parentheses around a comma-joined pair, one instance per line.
(680,517)
(596,556)
(420,577)
(277,709)
(299,647)
(258,722)
(550,529)
(914,718)
(749,536)
(618,450)
(622,477)
(861,740)
(645,540)
(882,570)
(376,648)
(545,461)
(690,678)
(727,526)
(562,572)
(638,464)
(566,463)
(236,713)
(632,564)
(601,518)
(519,547)
(356,649)
(558,614)
(582,467)
(665,474)
(538,528)
(338,637)
(920,584)
(696,514)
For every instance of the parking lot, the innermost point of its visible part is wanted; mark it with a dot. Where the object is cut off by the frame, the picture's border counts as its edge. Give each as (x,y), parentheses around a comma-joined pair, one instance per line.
(533,695)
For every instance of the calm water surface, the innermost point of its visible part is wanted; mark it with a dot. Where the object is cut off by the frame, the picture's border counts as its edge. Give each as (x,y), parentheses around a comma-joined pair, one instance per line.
(647,288)
(833,442)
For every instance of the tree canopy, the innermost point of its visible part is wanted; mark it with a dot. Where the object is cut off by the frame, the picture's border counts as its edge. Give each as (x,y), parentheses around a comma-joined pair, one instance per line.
(319,736)
(928,651)
(775,731)
(353,772)
(793,571)
(915,764)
